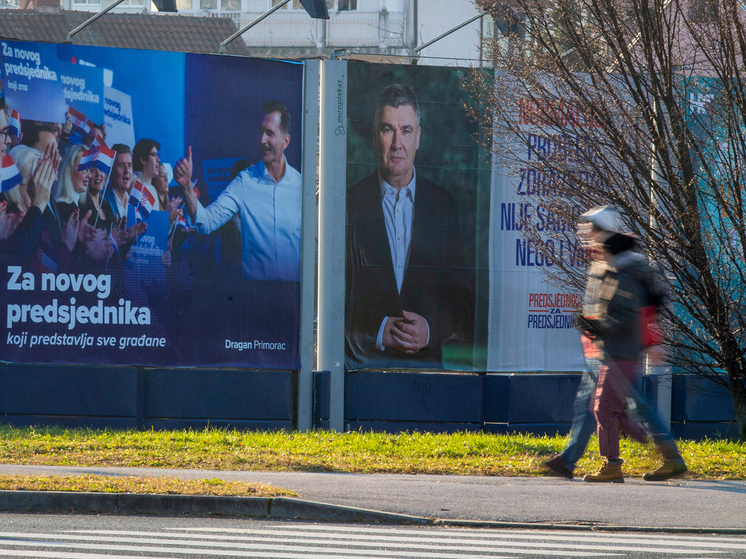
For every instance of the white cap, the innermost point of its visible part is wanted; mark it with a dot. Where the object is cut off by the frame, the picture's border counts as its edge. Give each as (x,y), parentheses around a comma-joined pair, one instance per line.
(606,218)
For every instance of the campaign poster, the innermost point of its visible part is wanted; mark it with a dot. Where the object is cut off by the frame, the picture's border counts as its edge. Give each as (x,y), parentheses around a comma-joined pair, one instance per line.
(418,187)
(531,322)
(32,71)
(152,280)
(84,89)
(440,273)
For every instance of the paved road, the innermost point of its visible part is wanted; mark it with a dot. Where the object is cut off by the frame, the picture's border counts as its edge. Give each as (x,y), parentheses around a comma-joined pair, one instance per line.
(101,537)
(682,503)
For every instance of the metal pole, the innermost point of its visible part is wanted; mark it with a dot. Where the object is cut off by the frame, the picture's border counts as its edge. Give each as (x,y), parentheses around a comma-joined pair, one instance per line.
(332,212)
(86,23)
(252,24)
(442,35)
(663,373)
(308,246)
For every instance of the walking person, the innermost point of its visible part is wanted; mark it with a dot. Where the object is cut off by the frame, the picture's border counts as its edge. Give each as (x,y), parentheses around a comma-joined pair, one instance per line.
(611,334)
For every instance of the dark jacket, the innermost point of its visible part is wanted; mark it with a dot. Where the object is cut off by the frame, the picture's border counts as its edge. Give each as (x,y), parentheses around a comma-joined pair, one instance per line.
(615,293)
(436,284)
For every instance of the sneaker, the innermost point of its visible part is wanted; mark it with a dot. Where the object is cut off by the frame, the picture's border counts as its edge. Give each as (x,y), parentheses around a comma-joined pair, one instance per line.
(558,467)
(667,471)
(609,473)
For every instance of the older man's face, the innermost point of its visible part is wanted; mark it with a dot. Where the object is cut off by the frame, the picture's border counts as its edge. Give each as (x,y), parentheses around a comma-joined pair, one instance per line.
(397,141)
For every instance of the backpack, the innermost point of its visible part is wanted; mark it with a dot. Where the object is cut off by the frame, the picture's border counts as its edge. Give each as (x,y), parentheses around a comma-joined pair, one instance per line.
(653,298)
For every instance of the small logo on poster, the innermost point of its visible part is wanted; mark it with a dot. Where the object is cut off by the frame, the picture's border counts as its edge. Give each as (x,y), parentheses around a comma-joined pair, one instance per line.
(553,310)
(340,131)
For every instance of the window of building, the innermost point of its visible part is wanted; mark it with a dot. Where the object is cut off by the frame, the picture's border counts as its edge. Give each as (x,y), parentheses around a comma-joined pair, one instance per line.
(97,3)
(217,5)
(332,5)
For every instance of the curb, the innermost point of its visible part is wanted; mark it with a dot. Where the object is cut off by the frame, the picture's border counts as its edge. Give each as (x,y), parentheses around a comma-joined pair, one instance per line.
(279,508)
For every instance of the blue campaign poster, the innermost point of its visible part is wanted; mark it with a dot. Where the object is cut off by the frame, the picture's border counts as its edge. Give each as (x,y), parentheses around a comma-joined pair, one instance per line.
(158,229)
(31,71)
(215,284)
(83,87)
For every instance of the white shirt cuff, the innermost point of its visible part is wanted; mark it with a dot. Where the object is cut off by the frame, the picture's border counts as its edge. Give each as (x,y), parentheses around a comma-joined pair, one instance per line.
(379,338)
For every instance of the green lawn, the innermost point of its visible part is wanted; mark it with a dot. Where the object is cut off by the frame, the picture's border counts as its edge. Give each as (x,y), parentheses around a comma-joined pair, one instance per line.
(412,453)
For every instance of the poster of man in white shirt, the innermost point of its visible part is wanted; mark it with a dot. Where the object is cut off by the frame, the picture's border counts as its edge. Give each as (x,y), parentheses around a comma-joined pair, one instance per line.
(265,196)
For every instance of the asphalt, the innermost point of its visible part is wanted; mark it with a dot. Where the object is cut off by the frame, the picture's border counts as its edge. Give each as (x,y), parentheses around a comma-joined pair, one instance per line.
(542,502)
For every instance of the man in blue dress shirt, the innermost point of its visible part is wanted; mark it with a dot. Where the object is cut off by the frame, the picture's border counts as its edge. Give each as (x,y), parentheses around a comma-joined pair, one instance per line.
(267,199)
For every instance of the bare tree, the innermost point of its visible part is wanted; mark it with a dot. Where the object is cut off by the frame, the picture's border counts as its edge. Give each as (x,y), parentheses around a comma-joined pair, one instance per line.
(640,104)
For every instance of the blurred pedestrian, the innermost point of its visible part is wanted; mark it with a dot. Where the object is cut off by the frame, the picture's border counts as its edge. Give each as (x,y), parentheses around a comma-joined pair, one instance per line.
(612,333)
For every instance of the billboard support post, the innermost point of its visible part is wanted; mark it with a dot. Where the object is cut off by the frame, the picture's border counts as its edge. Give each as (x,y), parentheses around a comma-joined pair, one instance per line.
(308,243)
(332,212)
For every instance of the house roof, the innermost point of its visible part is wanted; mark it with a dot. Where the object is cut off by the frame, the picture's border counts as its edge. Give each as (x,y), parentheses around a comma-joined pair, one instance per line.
(134,31)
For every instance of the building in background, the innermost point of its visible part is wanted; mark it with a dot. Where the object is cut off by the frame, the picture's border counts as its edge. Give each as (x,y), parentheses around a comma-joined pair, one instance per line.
(387,30)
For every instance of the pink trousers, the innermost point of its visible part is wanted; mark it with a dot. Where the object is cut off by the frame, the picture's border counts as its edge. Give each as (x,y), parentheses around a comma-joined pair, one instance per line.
(614,379)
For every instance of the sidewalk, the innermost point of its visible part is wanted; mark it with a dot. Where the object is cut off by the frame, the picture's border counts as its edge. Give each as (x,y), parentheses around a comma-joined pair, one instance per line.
(694,505)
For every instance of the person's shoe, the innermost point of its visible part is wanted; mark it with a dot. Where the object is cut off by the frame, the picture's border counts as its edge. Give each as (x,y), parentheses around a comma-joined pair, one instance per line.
(667,471)
(558,467)
(609,473)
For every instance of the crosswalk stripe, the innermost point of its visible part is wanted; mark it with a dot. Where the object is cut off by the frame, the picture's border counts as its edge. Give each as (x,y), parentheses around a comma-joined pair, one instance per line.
(61,555)
(271,552)
(547,548)
(319,541)
(485,539)
(480,533)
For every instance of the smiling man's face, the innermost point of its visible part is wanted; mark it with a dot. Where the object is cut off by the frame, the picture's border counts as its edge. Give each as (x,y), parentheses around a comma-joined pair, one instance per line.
(272,139)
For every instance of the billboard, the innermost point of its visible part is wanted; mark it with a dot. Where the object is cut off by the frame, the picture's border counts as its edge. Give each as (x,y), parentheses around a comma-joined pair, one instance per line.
(205,269)
(439,275)
(531,321)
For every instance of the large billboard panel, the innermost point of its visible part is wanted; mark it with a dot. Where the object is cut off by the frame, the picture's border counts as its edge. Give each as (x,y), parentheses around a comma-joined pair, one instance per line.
(439,275)
(209,279)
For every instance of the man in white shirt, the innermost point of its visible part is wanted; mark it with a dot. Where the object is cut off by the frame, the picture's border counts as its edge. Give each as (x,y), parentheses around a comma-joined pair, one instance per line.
(408,293)
(267,199)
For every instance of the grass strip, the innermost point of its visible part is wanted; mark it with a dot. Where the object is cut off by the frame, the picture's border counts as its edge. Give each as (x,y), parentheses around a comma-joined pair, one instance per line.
(357,452)
(136,484)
